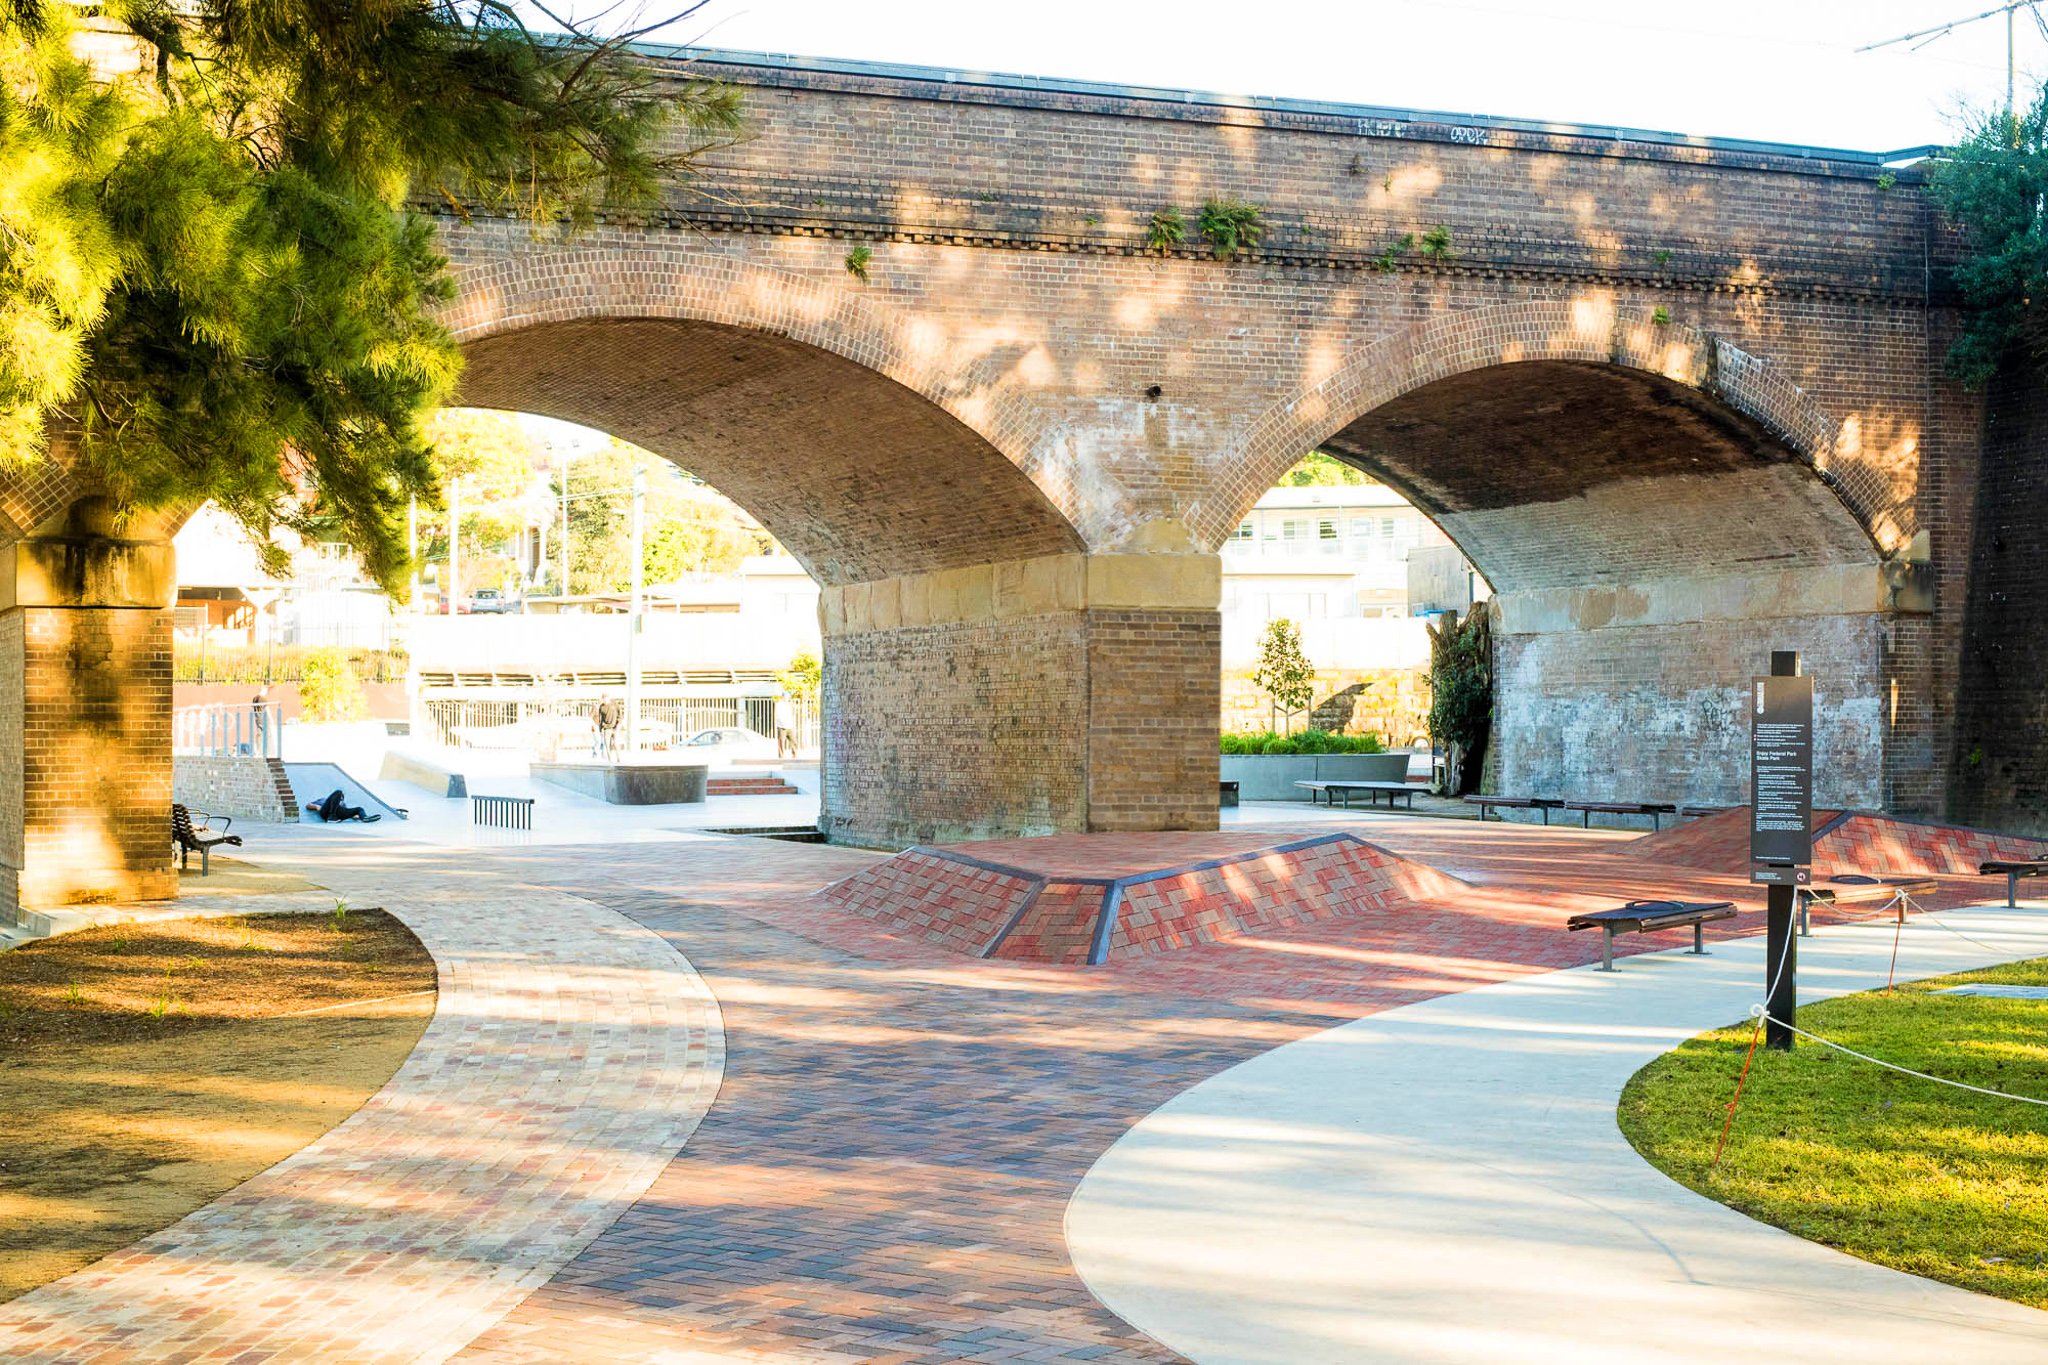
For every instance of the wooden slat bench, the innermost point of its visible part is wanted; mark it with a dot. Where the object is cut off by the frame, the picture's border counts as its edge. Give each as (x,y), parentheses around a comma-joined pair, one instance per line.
(1853,887)
(1546,804)
(203,837)
(1647,917)
(1588,809)
(1329,791)
(2013,871)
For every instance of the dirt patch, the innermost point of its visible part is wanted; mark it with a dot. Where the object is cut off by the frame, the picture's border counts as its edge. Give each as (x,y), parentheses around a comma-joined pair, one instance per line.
(146,1069)
(233,877)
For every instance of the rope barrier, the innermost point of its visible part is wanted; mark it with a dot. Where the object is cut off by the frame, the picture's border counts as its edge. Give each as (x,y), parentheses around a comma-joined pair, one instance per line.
(1761,1013)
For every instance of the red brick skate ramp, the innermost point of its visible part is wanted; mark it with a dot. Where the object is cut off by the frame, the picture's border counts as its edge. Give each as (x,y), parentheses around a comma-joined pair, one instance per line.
(1844,841)
(1091,899)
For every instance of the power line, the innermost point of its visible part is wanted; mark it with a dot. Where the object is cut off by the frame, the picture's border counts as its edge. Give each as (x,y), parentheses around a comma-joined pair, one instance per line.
(1922,37)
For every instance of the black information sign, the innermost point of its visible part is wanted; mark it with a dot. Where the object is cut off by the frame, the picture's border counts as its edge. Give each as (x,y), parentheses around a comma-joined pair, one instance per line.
(1781,781)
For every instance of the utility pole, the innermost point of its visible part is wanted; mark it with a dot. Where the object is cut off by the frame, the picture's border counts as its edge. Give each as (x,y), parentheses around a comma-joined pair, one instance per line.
(633,613)
(454,544)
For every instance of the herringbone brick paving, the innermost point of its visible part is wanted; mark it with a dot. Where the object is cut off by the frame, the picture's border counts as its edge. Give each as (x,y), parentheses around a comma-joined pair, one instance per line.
(886,1170)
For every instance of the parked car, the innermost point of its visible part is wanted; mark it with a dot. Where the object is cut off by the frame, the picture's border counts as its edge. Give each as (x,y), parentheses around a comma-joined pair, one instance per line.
(726,743)
(491,602)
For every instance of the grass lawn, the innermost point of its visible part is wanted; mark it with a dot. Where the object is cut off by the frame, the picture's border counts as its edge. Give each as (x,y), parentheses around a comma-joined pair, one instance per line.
(146,1069)
(1920,1177)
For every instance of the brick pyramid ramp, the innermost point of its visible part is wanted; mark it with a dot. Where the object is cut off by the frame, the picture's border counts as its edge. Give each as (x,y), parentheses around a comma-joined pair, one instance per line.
(1844,841)
(1090,899)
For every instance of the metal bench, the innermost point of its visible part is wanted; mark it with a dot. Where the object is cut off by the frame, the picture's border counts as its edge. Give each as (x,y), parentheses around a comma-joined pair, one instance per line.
(1546,804)
(1647,917)
(501,812)
(2037,867)
(1853,887)
(1329,791)
(1654,809)
(1226,793)
(202,837)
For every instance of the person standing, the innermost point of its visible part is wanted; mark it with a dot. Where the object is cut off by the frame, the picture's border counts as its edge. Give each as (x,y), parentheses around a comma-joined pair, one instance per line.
(259,722)
(785,727)
(610,715)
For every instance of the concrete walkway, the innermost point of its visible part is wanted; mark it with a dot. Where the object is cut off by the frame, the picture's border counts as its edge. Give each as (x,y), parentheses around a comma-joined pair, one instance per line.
(571,1054)
(1445,1182)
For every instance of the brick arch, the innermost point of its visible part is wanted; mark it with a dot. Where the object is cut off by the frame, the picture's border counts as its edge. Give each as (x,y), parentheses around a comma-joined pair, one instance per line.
(1473,414)
(804,401)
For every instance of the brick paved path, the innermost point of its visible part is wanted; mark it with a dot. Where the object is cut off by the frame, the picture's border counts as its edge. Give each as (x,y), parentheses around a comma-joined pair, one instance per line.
(570,1055)
(885,1173)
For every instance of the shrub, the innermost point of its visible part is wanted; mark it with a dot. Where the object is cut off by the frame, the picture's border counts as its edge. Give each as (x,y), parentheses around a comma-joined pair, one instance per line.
(328,689)
(1306,742)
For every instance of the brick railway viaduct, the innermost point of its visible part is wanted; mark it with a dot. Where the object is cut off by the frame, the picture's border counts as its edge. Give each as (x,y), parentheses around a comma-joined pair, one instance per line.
(1680,401)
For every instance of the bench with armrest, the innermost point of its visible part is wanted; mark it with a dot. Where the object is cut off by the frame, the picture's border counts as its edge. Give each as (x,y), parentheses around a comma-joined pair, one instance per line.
(1330,791)
(1546,804)
(1853,887)
(201,837)
(1647,917)
(1654,809)
(2013,871)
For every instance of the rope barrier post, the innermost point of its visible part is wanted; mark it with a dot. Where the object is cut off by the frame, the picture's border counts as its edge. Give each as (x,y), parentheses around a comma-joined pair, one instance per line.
(1781,829)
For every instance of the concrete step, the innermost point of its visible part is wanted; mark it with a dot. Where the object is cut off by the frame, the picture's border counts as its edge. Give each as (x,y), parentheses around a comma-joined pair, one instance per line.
(770,785)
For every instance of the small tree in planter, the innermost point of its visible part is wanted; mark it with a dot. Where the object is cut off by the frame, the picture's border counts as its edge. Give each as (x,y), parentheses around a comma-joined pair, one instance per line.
(1284,673)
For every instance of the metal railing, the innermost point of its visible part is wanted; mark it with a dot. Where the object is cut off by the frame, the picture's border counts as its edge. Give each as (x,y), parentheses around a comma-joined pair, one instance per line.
(501,812)
(224,730)
(548,726)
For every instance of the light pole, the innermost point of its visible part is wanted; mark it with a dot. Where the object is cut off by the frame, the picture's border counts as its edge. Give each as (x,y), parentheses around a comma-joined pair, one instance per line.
(454,544)
(633,614)
(563,591)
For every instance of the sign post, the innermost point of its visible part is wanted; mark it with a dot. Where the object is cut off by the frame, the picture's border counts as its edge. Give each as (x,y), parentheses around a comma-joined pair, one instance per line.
(1781,826)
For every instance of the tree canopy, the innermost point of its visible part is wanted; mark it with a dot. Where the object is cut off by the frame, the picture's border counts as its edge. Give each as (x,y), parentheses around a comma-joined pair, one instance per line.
(1994,184)
(215,281)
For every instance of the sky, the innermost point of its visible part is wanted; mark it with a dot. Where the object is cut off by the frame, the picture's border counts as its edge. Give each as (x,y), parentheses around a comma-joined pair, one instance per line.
(1781,72)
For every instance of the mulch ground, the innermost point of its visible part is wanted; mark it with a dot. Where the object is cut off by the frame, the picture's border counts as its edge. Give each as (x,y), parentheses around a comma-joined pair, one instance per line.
(145,1069)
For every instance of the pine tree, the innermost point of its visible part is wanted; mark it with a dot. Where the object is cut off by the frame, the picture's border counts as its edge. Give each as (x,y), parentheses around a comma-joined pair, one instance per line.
(215,278)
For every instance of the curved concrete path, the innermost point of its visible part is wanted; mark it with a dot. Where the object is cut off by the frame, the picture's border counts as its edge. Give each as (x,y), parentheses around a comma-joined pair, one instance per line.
(1445,1182)
(571,1054)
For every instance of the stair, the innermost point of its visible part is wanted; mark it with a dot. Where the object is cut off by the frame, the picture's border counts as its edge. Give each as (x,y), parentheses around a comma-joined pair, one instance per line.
(767,784)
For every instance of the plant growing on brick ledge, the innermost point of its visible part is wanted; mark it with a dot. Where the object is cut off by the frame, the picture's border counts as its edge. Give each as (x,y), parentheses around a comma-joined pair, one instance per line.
(1166,231)
(1436,244)
(1461,693)
(857,261)
(1284,673)
(1231,227)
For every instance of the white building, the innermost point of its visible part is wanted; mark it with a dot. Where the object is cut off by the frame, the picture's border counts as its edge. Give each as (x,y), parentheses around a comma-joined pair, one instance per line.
(1333,559)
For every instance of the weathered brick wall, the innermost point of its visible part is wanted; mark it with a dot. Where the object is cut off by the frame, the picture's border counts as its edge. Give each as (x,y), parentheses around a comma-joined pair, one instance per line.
(1657,713)
(12,705)
(248,788)
(2001,764)
(1150,397)
(1155,687)
(963,730)
(95,688)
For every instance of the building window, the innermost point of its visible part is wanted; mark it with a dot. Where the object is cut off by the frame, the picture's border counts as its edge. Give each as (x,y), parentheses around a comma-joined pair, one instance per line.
(1326,535)
(1243,531)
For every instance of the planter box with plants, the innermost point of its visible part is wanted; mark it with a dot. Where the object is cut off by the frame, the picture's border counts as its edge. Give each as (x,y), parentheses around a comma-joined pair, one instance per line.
(1266,767)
